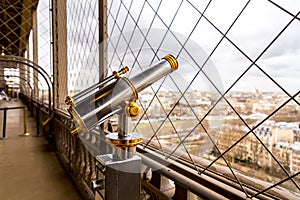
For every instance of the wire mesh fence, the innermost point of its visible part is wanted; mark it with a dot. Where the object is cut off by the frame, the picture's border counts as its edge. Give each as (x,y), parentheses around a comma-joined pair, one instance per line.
(16,40)
(234,100)
(44,35)
(83,32)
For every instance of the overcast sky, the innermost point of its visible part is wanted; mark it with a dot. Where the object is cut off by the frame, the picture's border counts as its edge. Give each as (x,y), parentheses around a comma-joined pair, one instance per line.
(257,26)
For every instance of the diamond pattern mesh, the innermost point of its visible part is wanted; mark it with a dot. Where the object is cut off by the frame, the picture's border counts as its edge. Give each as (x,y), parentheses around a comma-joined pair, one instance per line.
(44,34)
(238,72)
(44,45)
(83,59)
(234,100)
(16,23)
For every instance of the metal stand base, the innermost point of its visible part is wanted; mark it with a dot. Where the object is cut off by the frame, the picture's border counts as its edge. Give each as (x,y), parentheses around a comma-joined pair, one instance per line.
(122,177)
(24,135)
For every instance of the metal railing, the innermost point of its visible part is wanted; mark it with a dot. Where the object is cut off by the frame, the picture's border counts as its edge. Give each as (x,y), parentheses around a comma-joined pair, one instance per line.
(78,157)
(5,109)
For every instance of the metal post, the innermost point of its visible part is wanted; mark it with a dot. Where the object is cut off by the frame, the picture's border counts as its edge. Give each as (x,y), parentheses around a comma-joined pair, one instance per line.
(123,123)
(4,124)
(38,120)
(180,192)
(50,133)
(155,180)
(60,65)
(35,51)
(103,35)
(25,122)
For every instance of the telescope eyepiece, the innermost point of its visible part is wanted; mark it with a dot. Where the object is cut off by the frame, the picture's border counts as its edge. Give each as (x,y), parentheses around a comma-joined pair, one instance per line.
(125,70)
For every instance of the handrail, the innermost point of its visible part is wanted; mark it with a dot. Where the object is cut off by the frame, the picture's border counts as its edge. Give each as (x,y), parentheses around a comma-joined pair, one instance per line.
(35,67)
(215,183)
(218,178)
(4,120)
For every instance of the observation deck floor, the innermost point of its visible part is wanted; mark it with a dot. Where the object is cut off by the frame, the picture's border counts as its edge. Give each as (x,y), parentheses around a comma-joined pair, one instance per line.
(29,168)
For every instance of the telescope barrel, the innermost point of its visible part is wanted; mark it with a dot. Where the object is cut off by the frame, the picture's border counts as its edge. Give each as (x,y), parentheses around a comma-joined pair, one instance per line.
(109,99)
(116,75)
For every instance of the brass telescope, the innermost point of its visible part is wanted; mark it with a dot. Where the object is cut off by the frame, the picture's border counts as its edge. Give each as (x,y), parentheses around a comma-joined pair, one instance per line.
(116,94)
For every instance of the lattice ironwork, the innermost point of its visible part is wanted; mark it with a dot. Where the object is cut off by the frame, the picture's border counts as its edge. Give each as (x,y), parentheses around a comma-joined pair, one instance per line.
(83,33)
(44,35)
(235,98)
(235,94)
(16,23)
(15,40)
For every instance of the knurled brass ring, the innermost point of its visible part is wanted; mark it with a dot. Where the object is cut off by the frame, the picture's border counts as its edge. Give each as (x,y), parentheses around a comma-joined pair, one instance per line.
(125,70)
(116,74)
(69,100)
(172,60)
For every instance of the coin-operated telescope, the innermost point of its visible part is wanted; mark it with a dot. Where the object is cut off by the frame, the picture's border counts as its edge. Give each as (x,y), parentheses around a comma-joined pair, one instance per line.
(117,94)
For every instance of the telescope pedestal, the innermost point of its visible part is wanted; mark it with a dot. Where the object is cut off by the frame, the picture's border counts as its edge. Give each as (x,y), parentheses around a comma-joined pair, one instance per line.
(122,177)
(117,95)
(122,167)
(126,145)
(124,141)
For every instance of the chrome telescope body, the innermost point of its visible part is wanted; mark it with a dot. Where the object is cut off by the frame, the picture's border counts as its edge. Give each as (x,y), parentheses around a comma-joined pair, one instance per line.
(114,95)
